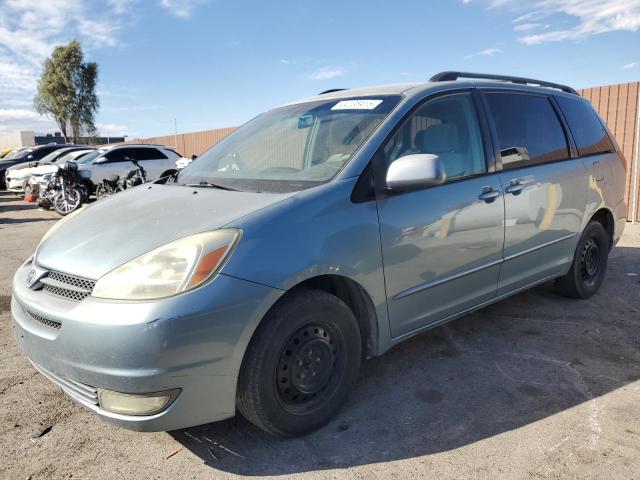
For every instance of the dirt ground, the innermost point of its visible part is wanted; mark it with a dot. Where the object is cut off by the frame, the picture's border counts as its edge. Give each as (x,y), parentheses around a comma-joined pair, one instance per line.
(538,386)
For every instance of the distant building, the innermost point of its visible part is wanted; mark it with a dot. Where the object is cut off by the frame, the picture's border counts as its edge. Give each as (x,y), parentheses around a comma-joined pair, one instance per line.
(26,138)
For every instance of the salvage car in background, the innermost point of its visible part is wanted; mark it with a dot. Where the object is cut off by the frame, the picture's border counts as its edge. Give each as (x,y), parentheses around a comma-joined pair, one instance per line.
(318,234)
(157,160)
(16,177)
(39,177)
(28,154)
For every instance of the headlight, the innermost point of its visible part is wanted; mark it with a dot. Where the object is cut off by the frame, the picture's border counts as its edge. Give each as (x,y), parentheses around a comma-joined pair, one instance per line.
(171,269)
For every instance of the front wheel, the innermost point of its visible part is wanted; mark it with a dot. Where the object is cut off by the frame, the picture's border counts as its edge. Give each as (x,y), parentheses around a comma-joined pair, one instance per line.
(301,364)
(68,201)
(589,264)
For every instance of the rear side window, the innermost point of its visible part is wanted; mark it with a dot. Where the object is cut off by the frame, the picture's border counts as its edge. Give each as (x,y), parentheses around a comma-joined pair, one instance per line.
(148,154)
(117,155)
(588,132)
(529,131)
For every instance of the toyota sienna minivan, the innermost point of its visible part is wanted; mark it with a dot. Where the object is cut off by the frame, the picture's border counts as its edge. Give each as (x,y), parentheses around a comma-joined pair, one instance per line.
(321,233)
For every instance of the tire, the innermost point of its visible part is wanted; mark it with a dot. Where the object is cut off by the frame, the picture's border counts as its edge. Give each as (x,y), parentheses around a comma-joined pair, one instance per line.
(301,364)
(64,206)
(102,190)
(589,264)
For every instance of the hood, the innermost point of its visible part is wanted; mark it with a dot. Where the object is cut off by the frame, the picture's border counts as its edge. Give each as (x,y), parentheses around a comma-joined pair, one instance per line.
(43,169)
(116,229)
(21,166)
(22,172)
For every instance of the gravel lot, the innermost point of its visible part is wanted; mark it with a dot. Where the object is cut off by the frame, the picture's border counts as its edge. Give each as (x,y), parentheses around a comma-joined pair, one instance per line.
(537,386)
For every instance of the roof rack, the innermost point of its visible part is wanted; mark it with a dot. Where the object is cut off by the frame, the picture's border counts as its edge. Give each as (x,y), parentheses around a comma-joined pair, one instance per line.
(331,90)
(451,76)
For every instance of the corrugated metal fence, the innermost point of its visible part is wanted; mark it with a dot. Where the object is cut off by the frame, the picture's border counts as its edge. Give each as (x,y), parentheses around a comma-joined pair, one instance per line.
(617,104)
(187,144)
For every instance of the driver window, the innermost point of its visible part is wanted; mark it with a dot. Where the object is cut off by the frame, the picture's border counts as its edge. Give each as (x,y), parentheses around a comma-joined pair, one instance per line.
(446,126)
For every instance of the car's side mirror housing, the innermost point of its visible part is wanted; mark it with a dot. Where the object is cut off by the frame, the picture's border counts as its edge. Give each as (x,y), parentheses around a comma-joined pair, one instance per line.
(415,171)
(30,157)
(99,160)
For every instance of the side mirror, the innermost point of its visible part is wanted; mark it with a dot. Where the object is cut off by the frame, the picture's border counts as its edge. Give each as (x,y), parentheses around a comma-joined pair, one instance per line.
(30,157)
(415,171)
(99,160)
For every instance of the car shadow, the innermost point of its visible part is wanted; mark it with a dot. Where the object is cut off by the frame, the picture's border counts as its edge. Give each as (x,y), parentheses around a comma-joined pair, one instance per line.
(504,367)
(14,221)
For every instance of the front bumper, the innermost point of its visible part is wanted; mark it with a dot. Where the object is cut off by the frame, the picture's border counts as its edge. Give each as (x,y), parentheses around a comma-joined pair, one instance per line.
(193,342)
(15,184)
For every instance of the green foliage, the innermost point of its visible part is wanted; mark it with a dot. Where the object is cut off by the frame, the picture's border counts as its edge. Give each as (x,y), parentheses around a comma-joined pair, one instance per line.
(67,90)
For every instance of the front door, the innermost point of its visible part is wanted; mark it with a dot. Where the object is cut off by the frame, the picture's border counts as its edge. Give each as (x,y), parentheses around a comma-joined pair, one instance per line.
(545,189)
(441,246)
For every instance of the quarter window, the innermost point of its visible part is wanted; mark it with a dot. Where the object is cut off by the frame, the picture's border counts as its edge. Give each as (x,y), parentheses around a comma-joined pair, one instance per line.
(588,132)
(529,131)
(448,127)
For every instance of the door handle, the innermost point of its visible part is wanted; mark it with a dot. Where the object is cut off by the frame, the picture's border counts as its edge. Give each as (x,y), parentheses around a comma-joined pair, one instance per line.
(489,194)
(514,188)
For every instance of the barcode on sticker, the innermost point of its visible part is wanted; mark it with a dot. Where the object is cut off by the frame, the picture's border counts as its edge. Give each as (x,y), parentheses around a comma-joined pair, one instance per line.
(356,105)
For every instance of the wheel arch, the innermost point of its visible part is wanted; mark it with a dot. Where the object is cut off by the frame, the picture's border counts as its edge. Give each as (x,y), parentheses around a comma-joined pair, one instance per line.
(605,218)
(351,293)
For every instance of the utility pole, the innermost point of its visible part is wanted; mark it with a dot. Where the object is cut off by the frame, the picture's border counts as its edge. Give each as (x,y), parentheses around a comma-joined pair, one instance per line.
(175,125)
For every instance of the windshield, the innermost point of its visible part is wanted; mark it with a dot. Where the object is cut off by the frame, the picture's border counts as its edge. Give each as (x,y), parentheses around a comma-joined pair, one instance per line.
(17,153)
(51,157)
(77,156)
(290,148)
(90,156)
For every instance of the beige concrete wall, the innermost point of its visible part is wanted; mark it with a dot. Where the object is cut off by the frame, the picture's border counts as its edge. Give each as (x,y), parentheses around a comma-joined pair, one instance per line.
(23,138)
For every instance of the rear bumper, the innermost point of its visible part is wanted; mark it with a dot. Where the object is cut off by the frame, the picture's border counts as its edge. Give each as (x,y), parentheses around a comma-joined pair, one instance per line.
(193,342)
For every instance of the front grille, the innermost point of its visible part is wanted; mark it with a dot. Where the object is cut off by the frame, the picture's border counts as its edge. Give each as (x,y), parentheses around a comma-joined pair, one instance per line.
(67,286)
(79,391)
(39,318)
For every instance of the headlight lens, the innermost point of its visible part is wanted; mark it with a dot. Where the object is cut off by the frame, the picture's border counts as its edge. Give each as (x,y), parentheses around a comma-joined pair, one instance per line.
(171,269)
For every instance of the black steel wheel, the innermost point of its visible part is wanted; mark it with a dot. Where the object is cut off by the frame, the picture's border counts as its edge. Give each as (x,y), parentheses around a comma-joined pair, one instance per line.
(300,365)
(589,264)
(305,372)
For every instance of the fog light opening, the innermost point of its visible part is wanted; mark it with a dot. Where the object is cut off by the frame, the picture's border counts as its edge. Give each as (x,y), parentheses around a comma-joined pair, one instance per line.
(136,404)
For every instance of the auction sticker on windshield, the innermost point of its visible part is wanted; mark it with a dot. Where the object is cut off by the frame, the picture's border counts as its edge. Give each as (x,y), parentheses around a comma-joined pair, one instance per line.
(356,105)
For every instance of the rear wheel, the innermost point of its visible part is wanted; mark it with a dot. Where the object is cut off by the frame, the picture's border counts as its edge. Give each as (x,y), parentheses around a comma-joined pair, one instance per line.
(301,364)
(589,264)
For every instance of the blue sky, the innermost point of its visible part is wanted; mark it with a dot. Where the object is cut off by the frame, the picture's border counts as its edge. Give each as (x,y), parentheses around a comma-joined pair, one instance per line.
(217,63)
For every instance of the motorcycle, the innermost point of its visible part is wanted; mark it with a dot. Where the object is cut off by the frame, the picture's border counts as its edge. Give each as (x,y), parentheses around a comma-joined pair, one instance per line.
(67,191)
(114,183)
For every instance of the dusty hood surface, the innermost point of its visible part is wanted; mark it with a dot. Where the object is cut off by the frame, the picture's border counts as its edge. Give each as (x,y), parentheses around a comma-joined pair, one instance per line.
(116,229)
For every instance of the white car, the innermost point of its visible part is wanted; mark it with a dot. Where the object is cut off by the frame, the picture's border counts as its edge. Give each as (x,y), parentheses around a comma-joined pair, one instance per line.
(184,161)
(16,179)
(157,160)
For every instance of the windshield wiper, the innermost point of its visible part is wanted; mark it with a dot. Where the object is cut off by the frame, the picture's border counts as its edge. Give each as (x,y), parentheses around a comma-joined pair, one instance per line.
(212,185)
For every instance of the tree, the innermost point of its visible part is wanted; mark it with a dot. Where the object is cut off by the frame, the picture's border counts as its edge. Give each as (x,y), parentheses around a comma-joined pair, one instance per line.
(67,90)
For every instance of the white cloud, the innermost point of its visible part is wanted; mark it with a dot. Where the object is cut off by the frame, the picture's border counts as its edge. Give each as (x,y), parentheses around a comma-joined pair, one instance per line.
(30,29)
(181,8)
(524,27)
(111,129)
(586,18)
(487,52)
(629,66)
(325,73)
(12,119)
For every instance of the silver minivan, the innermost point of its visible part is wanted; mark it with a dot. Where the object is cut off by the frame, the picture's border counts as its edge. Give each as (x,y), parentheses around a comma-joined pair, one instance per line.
(321,233)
